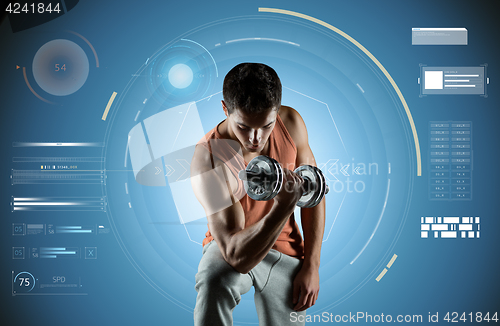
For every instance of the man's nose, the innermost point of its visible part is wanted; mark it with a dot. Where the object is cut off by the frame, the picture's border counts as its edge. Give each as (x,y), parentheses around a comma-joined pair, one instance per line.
(255,137)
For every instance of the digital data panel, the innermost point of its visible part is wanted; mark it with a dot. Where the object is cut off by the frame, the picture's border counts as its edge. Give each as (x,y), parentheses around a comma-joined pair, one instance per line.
(454,80)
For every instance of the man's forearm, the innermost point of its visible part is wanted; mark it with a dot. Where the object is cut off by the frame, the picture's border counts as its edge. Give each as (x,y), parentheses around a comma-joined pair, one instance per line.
(313,225)
(250,245)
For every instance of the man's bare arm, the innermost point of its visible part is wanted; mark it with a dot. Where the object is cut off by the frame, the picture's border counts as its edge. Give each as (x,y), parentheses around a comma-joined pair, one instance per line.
(313,226)
(243,248)
(306,284)
(313,218)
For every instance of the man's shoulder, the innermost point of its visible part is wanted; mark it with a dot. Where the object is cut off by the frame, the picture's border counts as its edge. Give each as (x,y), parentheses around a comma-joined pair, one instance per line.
(202,159)
(294,124)
(212,152)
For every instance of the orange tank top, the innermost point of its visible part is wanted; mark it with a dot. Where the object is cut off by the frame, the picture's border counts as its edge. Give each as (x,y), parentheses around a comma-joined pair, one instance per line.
(281,148)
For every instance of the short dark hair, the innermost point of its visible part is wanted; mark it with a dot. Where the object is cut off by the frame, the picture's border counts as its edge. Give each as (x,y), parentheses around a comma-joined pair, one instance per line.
(252,87)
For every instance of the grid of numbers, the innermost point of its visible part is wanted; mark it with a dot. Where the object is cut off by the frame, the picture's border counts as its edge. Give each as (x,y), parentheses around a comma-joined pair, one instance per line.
(450,160)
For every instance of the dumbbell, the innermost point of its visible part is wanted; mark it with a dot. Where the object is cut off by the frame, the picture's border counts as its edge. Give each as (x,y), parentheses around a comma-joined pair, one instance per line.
(263,179)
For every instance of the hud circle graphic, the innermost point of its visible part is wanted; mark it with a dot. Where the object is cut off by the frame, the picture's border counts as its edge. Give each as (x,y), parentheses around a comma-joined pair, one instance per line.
(347,127)
(60,67)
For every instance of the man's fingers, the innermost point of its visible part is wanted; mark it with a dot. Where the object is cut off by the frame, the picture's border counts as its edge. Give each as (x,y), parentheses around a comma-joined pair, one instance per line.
(301,305)
(307,300)
(311,301)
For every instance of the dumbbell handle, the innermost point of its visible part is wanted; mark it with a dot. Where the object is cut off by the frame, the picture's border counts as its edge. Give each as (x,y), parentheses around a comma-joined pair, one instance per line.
(249,175)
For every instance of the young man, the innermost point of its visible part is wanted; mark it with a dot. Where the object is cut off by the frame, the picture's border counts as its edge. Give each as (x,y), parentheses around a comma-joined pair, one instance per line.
(255,243)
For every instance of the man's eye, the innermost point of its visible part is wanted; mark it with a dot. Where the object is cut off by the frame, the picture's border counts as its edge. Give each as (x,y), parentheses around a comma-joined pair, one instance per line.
(242,128)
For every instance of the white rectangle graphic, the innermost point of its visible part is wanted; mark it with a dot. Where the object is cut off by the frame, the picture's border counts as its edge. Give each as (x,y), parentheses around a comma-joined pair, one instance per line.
(439,227)
(449,234)
(465,227)
(433,79)
(451,220)
(439,36)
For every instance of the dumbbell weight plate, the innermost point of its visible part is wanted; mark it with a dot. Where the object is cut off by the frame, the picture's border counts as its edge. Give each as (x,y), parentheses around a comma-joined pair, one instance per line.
(314,184)
(263,168)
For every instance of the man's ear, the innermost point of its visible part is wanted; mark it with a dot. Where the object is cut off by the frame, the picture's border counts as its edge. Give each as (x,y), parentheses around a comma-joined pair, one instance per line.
(224,107)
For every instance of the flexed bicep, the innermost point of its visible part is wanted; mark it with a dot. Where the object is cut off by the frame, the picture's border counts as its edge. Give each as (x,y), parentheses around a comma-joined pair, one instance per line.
(214,188)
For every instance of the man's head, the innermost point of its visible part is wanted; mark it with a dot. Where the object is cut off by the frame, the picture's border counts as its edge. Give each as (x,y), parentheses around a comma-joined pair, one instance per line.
(252,98)
(252,88)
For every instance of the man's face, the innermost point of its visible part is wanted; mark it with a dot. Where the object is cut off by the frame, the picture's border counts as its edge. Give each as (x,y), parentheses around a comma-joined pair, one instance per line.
(252,130)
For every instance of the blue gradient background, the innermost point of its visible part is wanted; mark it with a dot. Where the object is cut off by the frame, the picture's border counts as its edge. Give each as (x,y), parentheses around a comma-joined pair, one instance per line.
(429,275)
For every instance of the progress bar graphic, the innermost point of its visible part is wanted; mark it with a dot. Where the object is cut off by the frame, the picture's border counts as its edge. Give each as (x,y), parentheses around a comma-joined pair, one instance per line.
(58,204)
